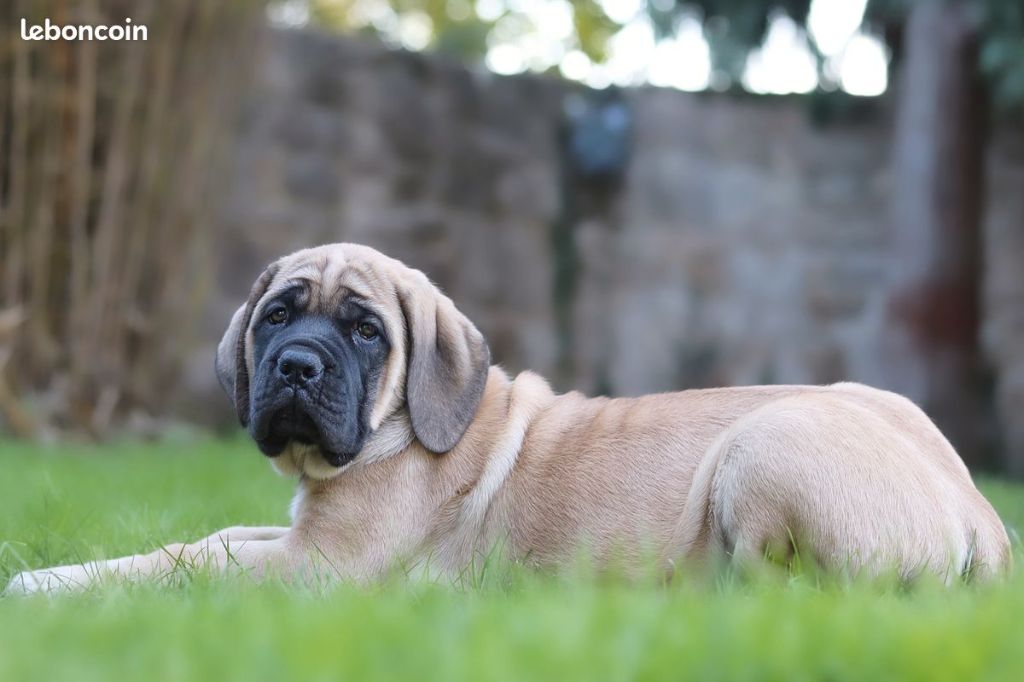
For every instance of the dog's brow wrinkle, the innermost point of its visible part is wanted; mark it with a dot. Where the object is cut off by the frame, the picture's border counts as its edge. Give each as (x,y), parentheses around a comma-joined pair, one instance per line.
(321,265)
(299,286)
(357,279)
(307,271)
(360,299)
(338,296)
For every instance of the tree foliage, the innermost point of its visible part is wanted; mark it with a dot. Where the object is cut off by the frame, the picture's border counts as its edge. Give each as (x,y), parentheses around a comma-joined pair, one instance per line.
(456,28)
(1002,52)
(732,27)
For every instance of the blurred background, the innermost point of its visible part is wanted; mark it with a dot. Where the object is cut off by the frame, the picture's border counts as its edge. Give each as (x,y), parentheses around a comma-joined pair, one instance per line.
(625,195)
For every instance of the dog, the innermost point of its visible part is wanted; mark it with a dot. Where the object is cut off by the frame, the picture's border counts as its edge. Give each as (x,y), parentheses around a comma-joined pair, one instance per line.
(354,373)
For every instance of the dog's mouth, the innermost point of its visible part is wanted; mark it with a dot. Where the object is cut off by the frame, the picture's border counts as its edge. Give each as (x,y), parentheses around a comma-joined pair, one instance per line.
(292,424)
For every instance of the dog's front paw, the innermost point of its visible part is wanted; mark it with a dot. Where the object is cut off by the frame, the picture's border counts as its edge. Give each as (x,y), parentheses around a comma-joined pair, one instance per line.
(23,583)
(49,581)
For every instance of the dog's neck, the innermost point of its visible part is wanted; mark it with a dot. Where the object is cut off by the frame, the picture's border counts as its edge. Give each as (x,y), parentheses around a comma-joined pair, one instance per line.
(484,460)
(453,491)
(394,436)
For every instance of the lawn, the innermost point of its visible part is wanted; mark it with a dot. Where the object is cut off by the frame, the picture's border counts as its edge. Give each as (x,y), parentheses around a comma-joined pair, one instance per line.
(75,503)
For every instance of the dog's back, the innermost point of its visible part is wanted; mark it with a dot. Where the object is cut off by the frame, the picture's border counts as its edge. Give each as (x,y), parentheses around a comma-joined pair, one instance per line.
(860,477)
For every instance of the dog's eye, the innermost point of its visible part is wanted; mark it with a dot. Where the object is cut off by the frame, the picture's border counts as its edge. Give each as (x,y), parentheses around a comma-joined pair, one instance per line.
(278,315)
(367,330)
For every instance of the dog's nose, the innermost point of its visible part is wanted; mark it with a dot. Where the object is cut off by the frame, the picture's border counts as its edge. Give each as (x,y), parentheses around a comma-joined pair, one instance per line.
(300,367)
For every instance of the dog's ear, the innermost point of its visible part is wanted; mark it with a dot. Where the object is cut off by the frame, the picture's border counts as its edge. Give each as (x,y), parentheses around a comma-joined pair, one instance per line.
(226,349)
(447,366)
(232,368)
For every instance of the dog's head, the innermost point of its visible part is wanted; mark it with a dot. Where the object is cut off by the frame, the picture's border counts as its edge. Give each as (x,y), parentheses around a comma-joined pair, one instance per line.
(340,346)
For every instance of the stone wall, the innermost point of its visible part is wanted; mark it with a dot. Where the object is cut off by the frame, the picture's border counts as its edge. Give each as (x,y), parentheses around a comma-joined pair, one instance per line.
(1003,331)
(747,249)
(743,244)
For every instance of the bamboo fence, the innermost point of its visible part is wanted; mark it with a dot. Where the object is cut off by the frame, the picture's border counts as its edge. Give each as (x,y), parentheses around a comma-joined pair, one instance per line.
(108,164)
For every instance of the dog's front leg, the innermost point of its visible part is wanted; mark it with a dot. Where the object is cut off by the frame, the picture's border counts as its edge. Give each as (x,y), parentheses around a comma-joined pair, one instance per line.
(252,550)
(246,533)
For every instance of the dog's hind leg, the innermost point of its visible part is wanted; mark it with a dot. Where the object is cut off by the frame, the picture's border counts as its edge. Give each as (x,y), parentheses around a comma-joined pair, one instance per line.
(836,481)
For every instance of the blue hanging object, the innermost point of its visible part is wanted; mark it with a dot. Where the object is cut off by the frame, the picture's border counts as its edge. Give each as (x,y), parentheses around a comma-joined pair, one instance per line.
(599,131)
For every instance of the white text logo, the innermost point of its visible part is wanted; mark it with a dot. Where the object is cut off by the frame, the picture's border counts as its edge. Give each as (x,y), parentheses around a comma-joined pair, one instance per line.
(51,31)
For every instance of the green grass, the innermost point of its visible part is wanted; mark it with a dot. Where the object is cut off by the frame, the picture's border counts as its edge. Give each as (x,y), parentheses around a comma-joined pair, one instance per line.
(76,503)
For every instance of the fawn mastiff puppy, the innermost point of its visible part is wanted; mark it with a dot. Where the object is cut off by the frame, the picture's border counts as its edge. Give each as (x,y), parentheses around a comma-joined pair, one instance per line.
(354,373)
